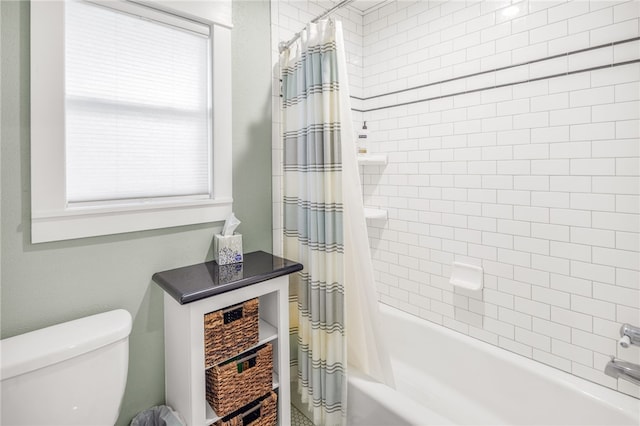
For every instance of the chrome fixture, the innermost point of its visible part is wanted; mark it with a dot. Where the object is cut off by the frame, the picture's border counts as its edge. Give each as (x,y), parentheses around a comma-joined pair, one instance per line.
(284,45)
(618,368)
(630,335)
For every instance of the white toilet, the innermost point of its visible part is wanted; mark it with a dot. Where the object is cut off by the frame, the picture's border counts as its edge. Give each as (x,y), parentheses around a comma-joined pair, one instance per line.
(72,373)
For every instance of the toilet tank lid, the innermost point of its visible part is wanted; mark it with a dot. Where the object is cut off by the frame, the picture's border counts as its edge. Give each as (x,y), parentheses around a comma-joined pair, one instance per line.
(40,348)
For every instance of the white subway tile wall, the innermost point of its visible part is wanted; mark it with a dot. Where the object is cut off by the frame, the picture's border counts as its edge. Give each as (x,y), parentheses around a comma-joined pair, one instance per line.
(506,152)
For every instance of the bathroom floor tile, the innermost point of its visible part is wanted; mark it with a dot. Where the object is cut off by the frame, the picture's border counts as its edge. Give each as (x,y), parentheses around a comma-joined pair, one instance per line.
(298,419)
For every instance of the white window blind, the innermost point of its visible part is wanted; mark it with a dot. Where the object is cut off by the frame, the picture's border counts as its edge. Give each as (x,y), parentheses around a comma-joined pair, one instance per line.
(138,106)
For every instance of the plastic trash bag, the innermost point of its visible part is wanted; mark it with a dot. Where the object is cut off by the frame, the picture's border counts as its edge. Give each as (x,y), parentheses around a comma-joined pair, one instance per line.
(160,415)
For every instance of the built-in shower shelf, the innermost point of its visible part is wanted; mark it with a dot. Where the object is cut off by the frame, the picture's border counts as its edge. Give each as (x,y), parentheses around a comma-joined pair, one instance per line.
(372,159)
(375,214)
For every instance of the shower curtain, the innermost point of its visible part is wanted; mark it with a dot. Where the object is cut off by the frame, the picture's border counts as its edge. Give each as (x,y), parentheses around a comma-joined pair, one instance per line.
(335,290)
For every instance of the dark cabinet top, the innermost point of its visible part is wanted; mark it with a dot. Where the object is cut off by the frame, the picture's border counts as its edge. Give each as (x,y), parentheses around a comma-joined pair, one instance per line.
(195,282)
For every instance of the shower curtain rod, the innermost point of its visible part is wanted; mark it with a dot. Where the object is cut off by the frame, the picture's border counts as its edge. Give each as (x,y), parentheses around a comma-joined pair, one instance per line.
(283,45)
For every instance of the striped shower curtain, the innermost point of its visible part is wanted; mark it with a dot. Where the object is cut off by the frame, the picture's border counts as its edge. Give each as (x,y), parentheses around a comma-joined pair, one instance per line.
(313,220)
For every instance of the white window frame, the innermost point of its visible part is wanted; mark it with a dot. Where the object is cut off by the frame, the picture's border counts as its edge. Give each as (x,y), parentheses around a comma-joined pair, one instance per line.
(52,218)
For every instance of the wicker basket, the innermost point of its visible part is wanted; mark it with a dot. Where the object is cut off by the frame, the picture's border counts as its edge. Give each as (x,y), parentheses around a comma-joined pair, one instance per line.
(263,412)
(235,383)
(230,331)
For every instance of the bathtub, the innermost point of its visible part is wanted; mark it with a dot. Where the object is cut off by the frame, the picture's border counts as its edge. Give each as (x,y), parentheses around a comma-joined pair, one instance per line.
(445,377)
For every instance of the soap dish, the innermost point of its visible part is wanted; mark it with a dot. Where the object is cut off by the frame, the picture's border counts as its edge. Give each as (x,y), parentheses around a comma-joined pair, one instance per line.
(466,276)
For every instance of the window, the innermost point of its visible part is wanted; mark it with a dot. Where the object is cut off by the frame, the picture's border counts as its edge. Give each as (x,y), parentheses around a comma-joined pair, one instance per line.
(137,102)
(130,117)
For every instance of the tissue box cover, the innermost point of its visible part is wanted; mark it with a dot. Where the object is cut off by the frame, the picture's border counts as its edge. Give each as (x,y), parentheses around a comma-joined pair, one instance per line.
(227,250)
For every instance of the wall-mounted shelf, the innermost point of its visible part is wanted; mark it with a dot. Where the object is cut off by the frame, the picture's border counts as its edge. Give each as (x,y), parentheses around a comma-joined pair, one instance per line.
(372,159)
(375,214)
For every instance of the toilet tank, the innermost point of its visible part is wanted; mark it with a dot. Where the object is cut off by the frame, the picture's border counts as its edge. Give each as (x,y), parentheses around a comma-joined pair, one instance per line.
(72,373)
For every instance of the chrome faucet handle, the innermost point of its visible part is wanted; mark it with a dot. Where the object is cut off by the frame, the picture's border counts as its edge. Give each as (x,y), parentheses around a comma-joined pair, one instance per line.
(630,335)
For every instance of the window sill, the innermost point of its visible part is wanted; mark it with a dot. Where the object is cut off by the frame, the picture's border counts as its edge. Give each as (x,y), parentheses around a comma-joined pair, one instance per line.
(92,221)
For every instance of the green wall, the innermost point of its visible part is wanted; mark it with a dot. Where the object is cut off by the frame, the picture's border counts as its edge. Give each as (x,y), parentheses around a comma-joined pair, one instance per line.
(251,47)
(49,283)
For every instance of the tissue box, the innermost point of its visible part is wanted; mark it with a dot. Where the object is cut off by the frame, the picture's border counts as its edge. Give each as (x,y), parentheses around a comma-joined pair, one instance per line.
(227,250)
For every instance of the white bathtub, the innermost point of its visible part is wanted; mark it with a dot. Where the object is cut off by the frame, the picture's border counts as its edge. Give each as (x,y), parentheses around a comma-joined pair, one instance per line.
(445,377)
